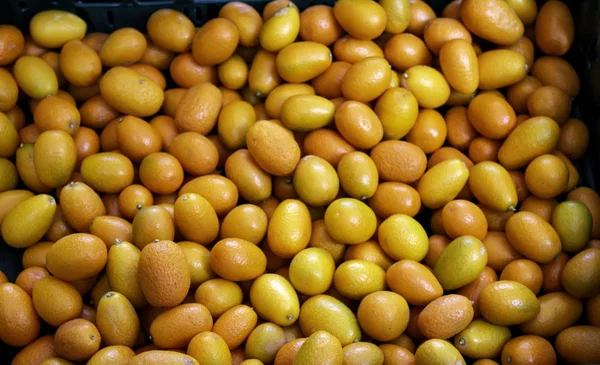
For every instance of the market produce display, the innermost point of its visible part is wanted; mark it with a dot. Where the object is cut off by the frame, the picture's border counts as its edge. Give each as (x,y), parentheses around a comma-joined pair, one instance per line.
(364,183)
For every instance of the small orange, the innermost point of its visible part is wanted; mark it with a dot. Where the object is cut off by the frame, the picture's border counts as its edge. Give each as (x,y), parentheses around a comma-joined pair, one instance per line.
(367,79)
(96,113)
(547,176)
(526,272)
(460,131)
(574,139)
(161,173)
(399,161)
(492,116)
(429,131)
(358,124)
(215,42)
(351,50)
(395,198)
(518,94)
(329,83)
(150,72)
(196,153)
(186,72)
(554,28)
(87,142)
(157,56)
(136,138)
(318,24)
(484,149)
(221,193)
(246,19)
(123,47)
(12,44)
(555,71)
(362,19)
(528,350)
(95,40)
(441,30)
(166,128)
(461,217)
(171,30)
(551,102)
(133,198)
(420,14)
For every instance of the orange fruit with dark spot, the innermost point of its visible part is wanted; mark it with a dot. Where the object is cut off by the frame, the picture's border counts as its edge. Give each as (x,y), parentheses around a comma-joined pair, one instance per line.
(528,349)
(133,198)
(161,173)
(186,72)
(77,340)
(150,72)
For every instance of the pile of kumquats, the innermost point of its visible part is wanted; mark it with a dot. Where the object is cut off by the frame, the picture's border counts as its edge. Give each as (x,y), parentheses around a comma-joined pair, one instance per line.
(364,183)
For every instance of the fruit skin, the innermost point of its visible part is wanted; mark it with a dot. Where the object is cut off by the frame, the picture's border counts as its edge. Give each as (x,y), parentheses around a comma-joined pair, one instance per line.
(414,282)
(302,61)
(558,311)
(383,315)
(530,139)
(77,256)
(460,263)
(577,344)
(176,327)
(80,205)
(362,353)
(26,223)
(236,259)
(591,199)
(355,279)
(19,322)
(196,219)
(163,274)
(273,147)
(350,221)
(508,303)
(358,124)
(399,161)
(171,30)
(158,357)
(397,109)
(36,352)
(358,175)
(235,325)
(316,181)
(117,320)
(320,348)
(437,351)
(289,228)
(280,29)
(361,19)
(403,237)
(460,66)
(581,275)
(367,79)
(209,348)
(482,339)
(427,85)
(121,271)
(326,313)
(492,20)
(554,28)
(572,221)
(56,301)
(152,223)
(312,270)
(528,350)
(247,20)
(275,299)
(80,64)
(77,340)
(131,93)
(56,170)
(500,68)
(442,183)
(461,217)
(107,172)
(533,237)
(113,355)
(493,186)
(445,316)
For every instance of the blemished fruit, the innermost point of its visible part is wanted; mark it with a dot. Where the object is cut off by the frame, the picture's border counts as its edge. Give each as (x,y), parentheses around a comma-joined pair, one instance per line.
(363,182)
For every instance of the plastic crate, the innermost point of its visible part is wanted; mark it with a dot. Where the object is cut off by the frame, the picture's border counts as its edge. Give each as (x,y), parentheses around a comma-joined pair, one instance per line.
(108,15)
